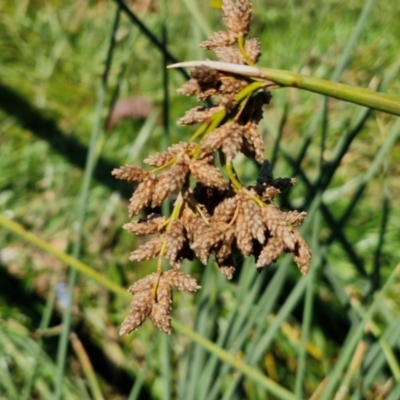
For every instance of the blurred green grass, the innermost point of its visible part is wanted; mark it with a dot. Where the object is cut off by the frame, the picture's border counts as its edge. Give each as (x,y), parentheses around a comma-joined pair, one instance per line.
(51,62)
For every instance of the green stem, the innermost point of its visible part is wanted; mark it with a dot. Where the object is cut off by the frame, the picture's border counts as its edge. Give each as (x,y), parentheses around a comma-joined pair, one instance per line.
(232,176)
(242,50)
(363,97)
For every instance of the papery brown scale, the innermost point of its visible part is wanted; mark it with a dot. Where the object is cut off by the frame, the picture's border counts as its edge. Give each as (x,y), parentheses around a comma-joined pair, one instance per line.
(219,39)
(295,218)
(175,240)
(224,249)
(229,55)
(270,252)
(148,227)
(275,221)
(141,196)
(207,174)
(140,309)
(225,210)
(254,142)
(190,88)
(214,140)
(177,174)
(205,76)
(237,16)
(252,48)
(192,222)
(228,102)
(164,293)
(170,181)
(231,85)
(232,143)
(205,241)
(161,318)
(253,218)
(198,115)
(130,173)
(159,159)
(244,240)
(148,250)
(181,281)
(302,254)
(226,266)
(206,94)
(144,284)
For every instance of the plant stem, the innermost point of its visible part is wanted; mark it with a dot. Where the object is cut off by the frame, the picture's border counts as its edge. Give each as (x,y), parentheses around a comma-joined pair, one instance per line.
(363,97)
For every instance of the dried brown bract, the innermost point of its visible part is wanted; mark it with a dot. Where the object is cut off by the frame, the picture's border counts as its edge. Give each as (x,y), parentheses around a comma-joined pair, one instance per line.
(214,217)
(153,299)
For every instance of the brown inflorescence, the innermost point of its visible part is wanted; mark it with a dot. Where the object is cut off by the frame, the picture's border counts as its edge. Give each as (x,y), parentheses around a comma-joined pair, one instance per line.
(213,216)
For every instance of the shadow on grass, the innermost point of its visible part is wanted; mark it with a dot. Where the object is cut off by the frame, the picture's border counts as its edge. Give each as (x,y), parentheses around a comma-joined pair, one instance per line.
(31,118)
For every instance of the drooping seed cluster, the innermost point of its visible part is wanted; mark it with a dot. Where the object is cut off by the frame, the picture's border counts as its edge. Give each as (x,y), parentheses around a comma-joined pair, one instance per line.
(214,216)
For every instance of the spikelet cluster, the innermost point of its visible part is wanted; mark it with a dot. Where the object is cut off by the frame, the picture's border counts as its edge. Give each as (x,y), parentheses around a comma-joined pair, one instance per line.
(214,217)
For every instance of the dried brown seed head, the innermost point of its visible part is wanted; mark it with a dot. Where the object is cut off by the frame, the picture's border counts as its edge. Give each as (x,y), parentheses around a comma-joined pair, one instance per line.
(140,310)
(244,239)
(206,240)
(230,55)
(144,284)
(207,174)
(131,173)
(169,181)
(198,114)
(181,281)
(302,254)
(225,210)
(142,195)
(190,88)
(224,248)
(148,227)
(252,48)
(148,250)
(231,85)
(205,76)
(161,318)
(175,240)
(232,143)
(295,218)
(219,39)
(227,267)
(237,16)
(253,217)
(270,252)
(253,143)
(214,140)
(159,159)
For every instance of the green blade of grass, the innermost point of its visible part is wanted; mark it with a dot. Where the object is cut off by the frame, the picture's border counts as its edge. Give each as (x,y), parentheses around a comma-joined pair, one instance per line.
(354,337)
(198,17)
(250,372)
(81,212)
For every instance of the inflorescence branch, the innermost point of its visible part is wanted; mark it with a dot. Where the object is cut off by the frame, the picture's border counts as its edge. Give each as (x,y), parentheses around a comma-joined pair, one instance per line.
(213,214)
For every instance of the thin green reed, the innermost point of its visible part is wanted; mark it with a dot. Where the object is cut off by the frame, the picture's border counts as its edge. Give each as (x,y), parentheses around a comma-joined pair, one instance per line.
(81,211)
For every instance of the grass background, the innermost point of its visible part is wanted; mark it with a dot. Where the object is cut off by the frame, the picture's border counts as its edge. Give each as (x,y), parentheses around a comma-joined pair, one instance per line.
(299,337)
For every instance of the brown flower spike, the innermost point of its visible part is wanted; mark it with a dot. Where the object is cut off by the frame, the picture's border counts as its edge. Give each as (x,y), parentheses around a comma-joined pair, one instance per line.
(214,215)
